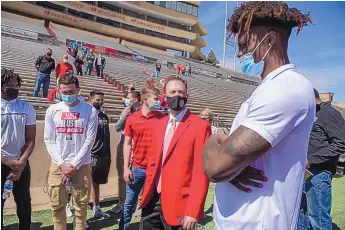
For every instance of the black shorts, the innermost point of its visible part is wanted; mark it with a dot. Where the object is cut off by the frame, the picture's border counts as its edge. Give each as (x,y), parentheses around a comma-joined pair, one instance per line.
(100,169)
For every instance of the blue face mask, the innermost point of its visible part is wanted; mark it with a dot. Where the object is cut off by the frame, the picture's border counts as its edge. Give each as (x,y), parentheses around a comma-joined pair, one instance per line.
(69,99)
(128,102)
(247,64)
(156,105)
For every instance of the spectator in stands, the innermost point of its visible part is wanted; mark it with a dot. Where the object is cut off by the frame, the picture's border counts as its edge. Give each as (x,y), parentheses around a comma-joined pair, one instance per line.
(90,59)
(100,154)
(138,130)
(183,69)
(175,180)
(189,70)
(145,71)
(18,132)
(69,135)
(132,103)
(44,66)
(150,82)
(75,46)
(207,115)
(326,144)
(84,49)
(271,130)
(54,95)
(158,69)
(130,88)
(100,65)
(78,63)
(63,67)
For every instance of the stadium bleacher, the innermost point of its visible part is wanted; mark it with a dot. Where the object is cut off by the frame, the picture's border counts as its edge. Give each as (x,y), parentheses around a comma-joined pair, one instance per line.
(223,97)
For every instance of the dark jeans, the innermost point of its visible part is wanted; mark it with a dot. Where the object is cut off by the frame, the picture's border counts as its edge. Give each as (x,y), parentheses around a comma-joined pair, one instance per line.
(79,70)
(152,216)
(99,70)
(132,192)
(21,194)
(88,68)
(44,81)
(316,212)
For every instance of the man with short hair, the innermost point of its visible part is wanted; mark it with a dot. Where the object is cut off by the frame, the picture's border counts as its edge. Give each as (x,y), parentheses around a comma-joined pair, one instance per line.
(100,65)
(63,67)
(44,66)
(176,187)
(132,103)
(326,144)
(18,133)
(100,153)
(271,130)
(158,69)
(90,59)
(69,135)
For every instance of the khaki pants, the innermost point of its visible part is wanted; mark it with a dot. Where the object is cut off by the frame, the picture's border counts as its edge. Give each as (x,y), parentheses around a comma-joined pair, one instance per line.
(81,183)
(119,168)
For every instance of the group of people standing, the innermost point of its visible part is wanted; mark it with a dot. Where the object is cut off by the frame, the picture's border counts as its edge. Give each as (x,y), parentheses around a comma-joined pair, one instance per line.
(259,169)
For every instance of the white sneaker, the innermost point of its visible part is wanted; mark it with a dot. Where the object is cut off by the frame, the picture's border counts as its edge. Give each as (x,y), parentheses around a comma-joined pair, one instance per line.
(68,211)
(118,208)
(100,215)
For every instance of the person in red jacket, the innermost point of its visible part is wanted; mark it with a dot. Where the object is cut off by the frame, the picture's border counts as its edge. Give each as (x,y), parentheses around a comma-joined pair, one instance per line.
(63,67)
(54,95)
(176,186)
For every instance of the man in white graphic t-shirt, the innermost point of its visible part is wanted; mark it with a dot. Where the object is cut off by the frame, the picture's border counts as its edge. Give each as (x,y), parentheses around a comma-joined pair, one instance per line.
(271,130)
(69,135)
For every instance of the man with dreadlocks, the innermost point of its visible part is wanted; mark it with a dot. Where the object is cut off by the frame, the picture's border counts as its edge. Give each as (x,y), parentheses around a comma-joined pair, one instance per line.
(18,132)
(271,130)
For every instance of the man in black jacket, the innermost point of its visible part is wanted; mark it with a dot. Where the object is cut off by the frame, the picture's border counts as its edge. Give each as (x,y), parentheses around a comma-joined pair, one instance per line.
(326,144)
(100,154)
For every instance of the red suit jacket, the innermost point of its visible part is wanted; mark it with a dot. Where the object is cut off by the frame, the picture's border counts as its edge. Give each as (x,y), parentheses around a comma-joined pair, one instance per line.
(184,185)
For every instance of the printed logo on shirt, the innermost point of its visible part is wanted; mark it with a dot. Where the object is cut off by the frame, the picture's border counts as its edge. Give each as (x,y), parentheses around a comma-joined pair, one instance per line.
(70,130)
(70,116)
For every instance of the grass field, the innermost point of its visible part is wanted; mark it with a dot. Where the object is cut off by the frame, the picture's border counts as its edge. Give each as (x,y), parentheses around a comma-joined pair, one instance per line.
(42,219)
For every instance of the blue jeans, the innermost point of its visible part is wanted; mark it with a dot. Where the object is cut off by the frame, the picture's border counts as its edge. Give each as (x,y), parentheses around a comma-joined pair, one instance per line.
(44,79)
(316,214)
(88,68)
(158,73)
(132,192)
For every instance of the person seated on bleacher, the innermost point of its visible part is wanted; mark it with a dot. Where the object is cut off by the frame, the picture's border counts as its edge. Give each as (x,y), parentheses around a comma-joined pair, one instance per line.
(207,115)
(63,67)
(145,71)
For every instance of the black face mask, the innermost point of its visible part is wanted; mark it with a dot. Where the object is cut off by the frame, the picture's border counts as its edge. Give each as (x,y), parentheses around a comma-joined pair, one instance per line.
(11,93)
(49,54)
(176,103)
(97,105)
(132,89)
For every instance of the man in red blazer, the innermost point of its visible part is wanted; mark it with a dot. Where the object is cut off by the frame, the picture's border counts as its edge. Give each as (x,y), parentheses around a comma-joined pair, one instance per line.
(176,186)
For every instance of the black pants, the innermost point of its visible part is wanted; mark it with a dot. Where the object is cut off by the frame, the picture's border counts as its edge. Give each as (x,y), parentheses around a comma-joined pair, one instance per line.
(99,70)
(79,70)
(152,216)
(21,194)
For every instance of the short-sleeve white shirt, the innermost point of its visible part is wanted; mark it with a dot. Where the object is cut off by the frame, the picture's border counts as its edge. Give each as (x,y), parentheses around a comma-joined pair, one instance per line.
(281,110)
(15,115)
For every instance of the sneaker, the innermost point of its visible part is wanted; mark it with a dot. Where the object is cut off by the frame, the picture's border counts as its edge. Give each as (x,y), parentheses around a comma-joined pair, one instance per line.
(100,215)
(118,208)
(68,211)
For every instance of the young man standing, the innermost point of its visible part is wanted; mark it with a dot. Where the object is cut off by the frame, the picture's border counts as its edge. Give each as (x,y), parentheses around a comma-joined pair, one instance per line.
(326,144)
(138,137)
(271,130)
(158,69)
(18,133)
(69,135)
(132,103)
(100,154)
(176,187)
(90,59)
(44,66)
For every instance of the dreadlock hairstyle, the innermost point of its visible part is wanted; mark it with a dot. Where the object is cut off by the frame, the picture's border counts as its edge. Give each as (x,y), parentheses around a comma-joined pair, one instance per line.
(267,13)
(7,75)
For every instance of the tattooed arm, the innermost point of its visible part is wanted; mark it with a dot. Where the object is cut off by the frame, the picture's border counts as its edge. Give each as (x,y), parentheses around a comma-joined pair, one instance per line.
(224,157)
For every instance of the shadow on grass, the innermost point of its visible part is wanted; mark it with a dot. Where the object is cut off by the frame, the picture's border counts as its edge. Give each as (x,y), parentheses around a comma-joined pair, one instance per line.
(335,227)
(35,226)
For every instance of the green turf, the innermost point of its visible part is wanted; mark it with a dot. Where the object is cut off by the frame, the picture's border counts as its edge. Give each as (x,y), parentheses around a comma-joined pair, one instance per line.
(42,219)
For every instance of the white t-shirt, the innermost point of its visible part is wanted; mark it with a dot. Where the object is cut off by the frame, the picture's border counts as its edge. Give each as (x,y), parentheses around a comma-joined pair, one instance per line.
(15,115)
(281,110)
(70,132)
